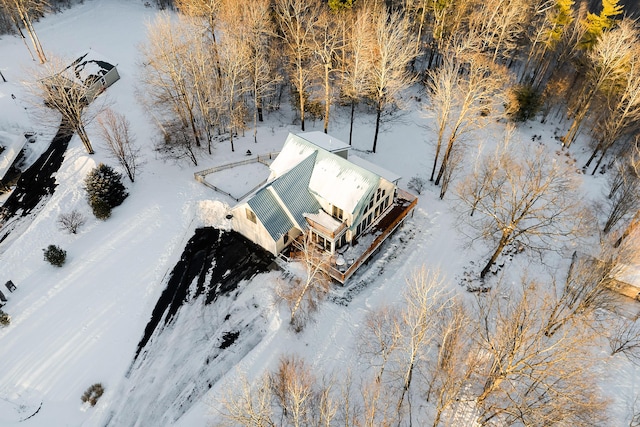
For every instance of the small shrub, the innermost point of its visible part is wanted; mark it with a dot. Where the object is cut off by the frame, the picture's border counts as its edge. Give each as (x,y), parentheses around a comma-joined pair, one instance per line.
(416,184)
(524,103)
(5,319)
(55,255)
(92,394)
(71,221)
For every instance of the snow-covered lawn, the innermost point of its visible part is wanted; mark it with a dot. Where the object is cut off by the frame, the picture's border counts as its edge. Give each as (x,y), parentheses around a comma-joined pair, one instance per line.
(79,325)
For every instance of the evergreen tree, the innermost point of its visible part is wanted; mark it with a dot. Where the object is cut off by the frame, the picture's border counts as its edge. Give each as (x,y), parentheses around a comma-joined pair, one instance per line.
(560,17)
(55,255)
(339,5)
(597,24)
(105,190)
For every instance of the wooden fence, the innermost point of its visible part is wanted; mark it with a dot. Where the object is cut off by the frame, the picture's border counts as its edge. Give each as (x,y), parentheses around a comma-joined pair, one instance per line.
(265,159)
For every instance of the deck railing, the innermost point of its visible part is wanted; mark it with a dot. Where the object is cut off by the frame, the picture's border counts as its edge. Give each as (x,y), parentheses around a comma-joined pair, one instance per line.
(402,196)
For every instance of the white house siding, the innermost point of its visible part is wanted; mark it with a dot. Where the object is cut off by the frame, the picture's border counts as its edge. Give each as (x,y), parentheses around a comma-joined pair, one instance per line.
(256,232)
(369,211)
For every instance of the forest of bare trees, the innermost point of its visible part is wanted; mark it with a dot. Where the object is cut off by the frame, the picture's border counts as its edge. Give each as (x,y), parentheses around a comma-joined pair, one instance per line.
(522,353)
(439,358)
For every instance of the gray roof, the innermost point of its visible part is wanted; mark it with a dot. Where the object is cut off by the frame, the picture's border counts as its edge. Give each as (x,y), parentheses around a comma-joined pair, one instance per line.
(293,190)
(271,215)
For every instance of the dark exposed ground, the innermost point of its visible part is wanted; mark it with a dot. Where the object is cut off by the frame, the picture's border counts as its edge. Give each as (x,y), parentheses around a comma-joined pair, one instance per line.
(37,182)
(213,263)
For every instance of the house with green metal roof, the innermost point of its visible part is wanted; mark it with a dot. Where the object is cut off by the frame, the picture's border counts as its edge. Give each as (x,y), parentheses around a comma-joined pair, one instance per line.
(314,187)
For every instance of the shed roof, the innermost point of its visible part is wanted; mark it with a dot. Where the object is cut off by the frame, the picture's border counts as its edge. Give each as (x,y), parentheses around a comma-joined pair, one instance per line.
(86,65)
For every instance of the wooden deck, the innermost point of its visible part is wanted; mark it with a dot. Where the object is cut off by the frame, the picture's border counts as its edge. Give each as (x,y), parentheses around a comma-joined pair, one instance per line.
(403,205)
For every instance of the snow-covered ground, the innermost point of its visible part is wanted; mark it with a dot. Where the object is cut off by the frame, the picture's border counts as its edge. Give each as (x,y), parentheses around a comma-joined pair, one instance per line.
(78,325)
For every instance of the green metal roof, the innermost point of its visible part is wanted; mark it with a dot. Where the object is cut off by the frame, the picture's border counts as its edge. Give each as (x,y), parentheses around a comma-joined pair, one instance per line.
(293,190)
(271,215)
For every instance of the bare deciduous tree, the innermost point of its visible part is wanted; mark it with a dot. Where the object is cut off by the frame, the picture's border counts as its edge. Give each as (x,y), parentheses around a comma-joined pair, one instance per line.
(466,92)
(607,63)
(293,386)
(589,284)
(530,200)
(392,50)
(622,112)
(450,371)
(426,297)
(303,295)
(63,92)
(115,130)
(355,80)
(526,377)
(22,12)
(248,404)
(233,60)
(623,198)
(71,221)
(623,335)
(380,338)
(327,45)
(486,174)
(298,21)
(500,25)
(261,68)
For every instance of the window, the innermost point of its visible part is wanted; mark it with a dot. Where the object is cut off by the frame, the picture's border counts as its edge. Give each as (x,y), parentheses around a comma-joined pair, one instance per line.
(338,213)
(285,238)
(250,215)
(378,192)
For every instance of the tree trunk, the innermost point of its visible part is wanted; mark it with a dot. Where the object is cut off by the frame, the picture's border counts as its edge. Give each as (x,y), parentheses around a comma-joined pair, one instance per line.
(353,108)
(503,242)
(82,134)
(632,225)
(435,159)
(255,120)
(375,135)
(593,154)
(604,151)
(327,102)
(301,99)
(445,160)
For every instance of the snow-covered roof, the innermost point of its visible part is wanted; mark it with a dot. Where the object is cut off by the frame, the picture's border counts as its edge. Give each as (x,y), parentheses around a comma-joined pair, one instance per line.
(630,274)
(378,170)
(324,141)
(334,179)
(86,65)
(12,144)
(325,220)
